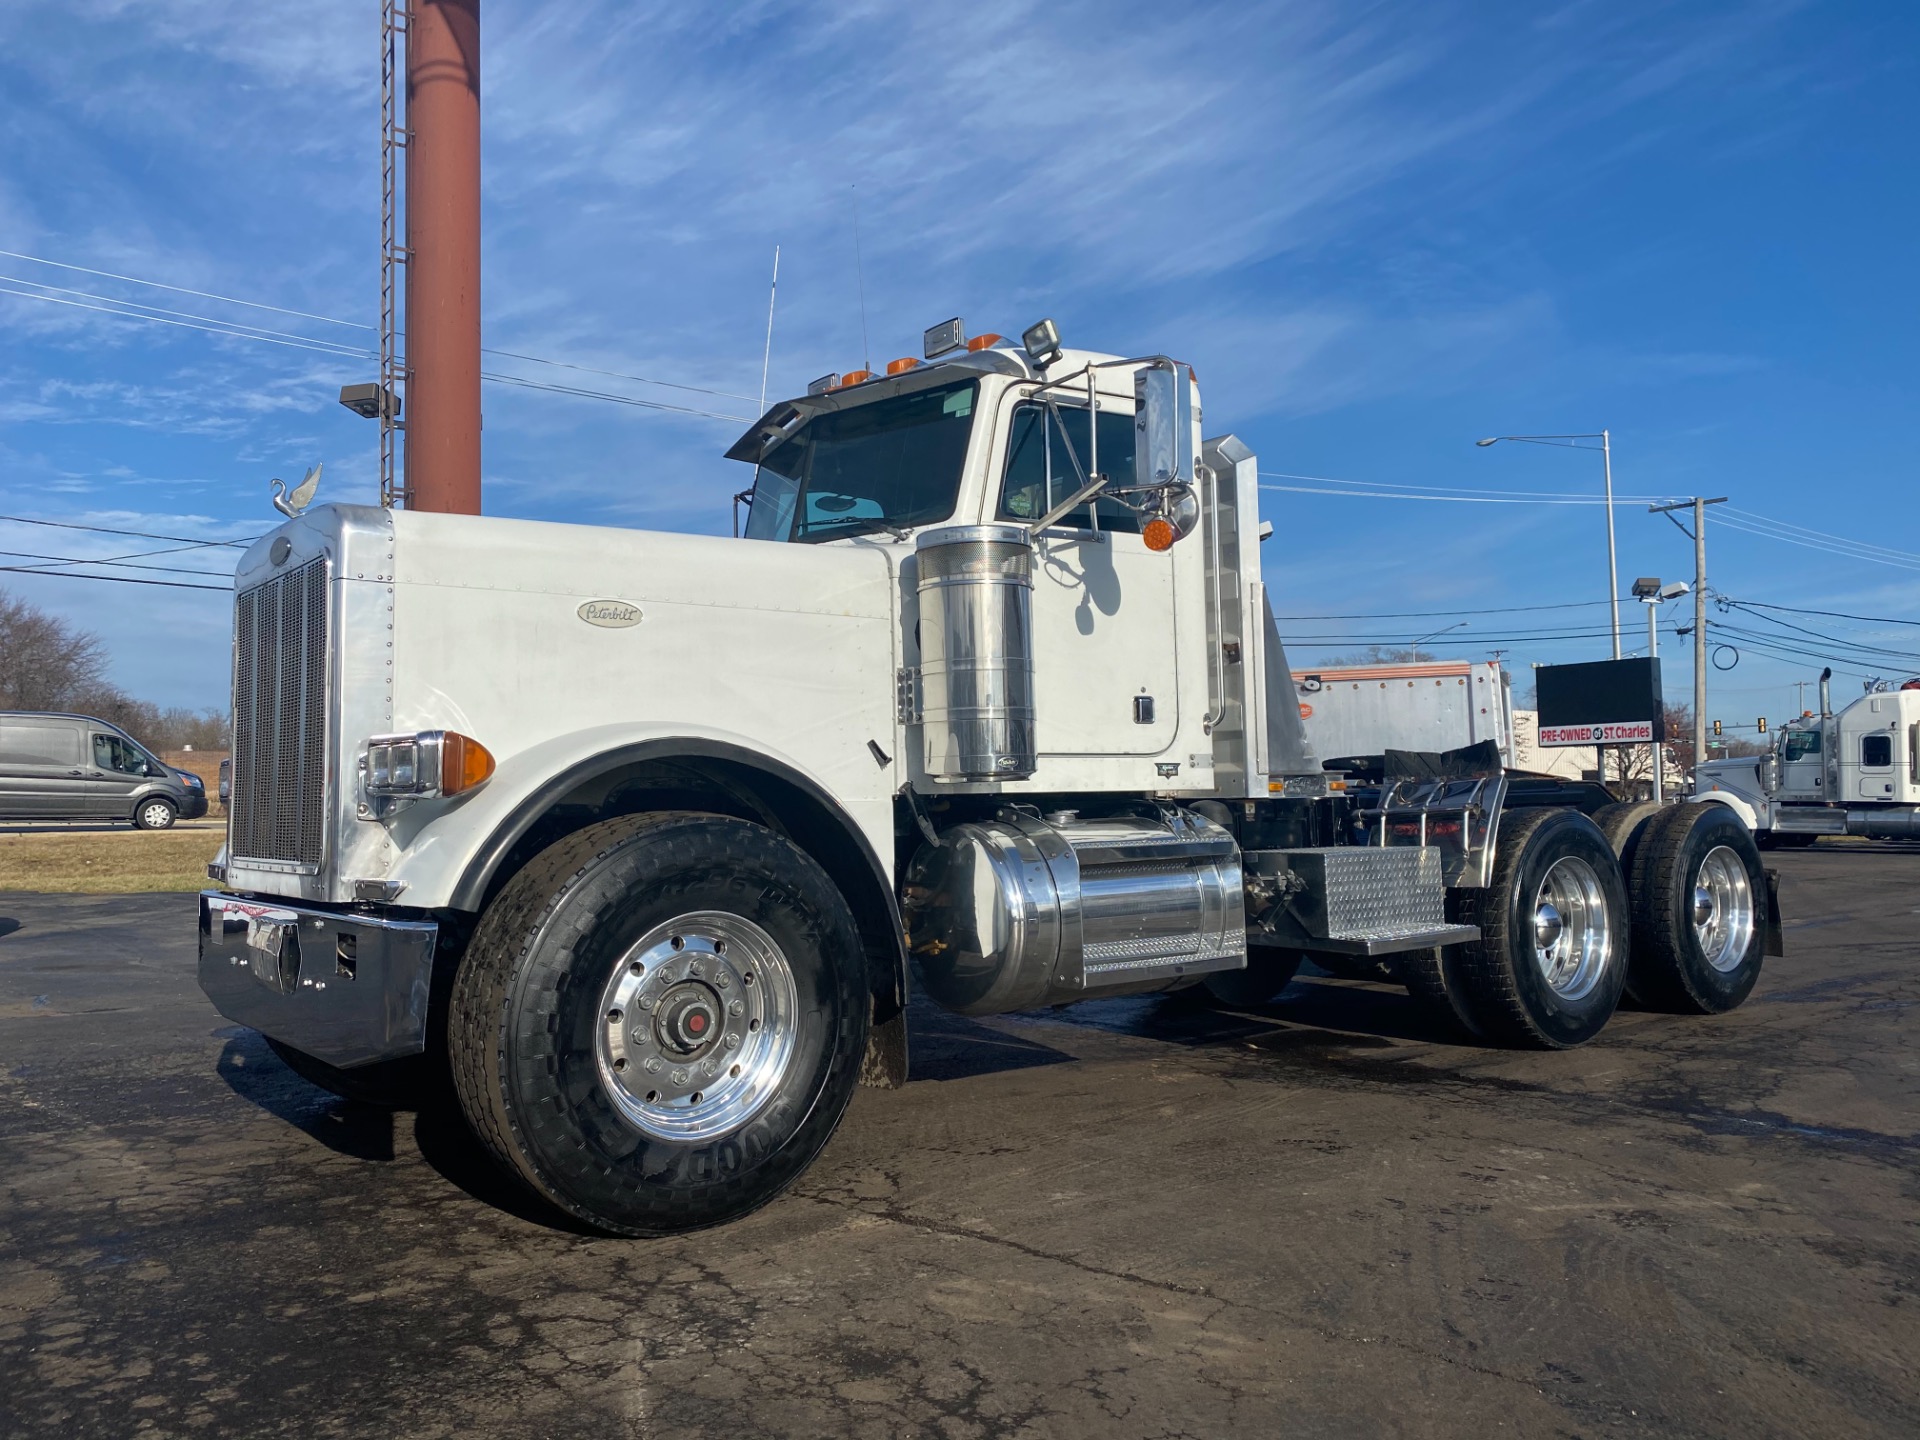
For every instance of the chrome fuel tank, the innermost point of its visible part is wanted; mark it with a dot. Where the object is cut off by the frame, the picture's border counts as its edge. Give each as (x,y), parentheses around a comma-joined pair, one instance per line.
(1019,912)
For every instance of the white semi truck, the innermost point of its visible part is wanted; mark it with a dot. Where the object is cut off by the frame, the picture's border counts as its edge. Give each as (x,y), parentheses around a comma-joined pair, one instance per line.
(1854,773)
(641,838)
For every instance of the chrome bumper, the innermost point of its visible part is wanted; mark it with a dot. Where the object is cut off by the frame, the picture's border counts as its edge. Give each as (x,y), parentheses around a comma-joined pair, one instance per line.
(346,989)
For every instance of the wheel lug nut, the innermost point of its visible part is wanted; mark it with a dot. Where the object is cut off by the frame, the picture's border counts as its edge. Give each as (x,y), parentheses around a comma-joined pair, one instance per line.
(734,1007)
(653,1065)
(732,1041)
(679,1077)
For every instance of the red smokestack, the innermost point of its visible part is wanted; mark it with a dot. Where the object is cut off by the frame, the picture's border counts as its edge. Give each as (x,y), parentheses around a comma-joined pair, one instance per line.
(443,256)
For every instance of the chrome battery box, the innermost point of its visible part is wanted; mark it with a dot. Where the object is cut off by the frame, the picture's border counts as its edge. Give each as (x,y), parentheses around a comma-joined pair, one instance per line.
(345,988)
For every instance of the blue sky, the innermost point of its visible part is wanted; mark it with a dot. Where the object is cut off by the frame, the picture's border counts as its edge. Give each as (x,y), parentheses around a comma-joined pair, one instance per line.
(1378,232)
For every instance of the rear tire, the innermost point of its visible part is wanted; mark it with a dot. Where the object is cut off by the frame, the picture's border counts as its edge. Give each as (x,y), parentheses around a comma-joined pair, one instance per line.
(660,1021)
(1270,970)
(385,1084)
(1551,960)
(153,814)
(1699,912)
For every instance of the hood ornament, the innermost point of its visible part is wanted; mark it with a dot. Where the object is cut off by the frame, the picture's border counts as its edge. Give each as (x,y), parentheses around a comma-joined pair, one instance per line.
(291,503)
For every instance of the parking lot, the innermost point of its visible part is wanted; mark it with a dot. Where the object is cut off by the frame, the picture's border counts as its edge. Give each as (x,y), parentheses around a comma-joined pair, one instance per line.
(1137,1218)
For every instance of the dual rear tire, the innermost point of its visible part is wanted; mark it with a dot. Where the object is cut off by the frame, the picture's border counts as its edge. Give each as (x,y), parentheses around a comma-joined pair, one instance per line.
(1666,904)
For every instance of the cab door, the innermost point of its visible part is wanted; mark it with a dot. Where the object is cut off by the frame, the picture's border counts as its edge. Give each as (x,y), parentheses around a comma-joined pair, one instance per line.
(1801,765)
(1103,617)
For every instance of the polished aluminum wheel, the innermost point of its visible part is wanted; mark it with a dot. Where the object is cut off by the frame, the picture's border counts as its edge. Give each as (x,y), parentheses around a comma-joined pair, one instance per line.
(1724,915)
(697,1026)
(1572,928)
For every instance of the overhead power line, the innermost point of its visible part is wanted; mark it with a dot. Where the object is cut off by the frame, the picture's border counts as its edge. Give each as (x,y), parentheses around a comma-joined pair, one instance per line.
(182,290)
(118,564)
(135,534)
(111,305)
(1834,614)
(1392,489)
(111,579)
(1434,614)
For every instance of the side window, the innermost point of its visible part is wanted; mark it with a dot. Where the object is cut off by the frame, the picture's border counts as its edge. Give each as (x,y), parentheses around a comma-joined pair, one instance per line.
(1041,469)
(110,752)
(25,743)
(1876,750)
(1802,743)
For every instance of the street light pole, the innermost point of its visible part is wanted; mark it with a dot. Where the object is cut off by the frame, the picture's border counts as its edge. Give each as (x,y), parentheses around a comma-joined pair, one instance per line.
(1605,447)
(1659,747)
(1613,564)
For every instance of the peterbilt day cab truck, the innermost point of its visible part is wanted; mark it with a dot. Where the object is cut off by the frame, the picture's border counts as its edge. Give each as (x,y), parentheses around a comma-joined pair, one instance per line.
(641,838)
(1854,773)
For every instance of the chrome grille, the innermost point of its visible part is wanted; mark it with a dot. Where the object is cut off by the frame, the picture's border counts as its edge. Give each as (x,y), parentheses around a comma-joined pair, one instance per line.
(279,803)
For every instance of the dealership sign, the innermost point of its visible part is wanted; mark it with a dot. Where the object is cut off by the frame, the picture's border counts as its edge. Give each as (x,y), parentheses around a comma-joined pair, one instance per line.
(1606,702)
(1627,732)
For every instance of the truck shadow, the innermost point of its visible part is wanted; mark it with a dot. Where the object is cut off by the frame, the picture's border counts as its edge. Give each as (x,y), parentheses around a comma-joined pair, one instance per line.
(945,1046)
(258,1076)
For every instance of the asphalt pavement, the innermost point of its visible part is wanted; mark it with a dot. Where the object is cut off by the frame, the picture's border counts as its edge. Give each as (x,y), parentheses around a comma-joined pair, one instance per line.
(1133,1218)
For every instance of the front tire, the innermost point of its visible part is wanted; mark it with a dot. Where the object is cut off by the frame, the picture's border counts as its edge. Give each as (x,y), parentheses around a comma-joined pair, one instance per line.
(153,814)
(1551,960)
(1699,912)
(660,1021)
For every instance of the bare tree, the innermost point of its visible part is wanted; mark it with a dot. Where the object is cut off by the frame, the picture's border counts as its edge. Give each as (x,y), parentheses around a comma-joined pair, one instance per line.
(45,663)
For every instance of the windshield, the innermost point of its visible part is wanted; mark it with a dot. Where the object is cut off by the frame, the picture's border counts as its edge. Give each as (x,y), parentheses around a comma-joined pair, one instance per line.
(885,465)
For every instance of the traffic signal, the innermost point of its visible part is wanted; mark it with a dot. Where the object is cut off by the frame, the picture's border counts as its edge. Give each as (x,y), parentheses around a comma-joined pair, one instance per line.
(1763,724)
(1716,727)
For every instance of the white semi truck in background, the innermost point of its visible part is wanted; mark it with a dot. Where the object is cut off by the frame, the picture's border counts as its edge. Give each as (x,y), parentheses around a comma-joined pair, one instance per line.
(641,838)
(1854,773)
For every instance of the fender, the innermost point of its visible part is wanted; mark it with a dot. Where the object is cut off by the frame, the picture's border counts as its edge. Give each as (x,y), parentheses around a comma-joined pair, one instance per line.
(1734,803)
(876,909)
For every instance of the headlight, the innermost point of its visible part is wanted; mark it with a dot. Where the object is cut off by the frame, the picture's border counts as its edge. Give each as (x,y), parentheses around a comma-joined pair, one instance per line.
(431,762)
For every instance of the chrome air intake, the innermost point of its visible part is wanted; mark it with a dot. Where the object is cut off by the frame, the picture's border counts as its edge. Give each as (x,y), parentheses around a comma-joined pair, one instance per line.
(1020,912)
(976,652)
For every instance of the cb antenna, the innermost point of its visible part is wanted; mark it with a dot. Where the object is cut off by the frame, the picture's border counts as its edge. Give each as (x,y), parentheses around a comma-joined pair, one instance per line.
(766,360)
(860,277)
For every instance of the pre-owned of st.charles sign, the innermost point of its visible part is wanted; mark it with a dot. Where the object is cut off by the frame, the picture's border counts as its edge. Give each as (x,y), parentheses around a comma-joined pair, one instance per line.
(1607,702)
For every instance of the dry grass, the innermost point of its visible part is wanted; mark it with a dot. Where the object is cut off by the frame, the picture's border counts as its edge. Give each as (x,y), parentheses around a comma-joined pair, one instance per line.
(108,862)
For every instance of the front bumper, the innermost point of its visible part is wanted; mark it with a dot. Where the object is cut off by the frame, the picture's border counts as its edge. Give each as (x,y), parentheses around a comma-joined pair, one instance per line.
(346,989)
(196,805)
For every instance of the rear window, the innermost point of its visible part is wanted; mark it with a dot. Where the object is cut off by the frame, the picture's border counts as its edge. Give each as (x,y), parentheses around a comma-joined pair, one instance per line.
(25,742)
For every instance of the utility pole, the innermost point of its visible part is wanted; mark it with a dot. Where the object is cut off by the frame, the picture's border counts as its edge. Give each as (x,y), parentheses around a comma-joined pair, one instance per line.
(1699,537)
(1800,704)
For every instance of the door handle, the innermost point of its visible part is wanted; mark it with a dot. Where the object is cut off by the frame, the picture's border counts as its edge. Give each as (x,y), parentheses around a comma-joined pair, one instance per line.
(78,774)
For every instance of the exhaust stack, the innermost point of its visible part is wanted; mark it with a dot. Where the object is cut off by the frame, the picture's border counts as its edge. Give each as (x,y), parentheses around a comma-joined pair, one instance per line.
(1826,694)
(443,256)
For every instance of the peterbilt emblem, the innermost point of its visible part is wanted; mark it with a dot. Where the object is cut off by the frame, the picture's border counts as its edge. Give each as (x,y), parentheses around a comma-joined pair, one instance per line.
(610,614)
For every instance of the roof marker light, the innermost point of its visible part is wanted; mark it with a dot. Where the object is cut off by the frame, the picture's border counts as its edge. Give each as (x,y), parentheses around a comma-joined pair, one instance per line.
(983,342)
(902,365)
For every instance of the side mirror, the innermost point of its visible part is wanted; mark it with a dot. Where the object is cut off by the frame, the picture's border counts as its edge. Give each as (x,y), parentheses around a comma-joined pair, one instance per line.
(1163,425)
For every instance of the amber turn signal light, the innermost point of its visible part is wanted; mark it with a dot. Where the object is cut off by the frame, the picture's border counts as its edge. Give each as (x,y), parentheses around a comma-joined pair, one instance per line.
(464,763)
(1159,533)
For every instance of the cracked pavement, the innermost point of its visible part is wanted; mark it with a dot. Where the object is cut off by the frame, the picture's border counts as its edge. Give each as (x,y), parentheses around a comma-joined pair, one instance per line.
(1129,1218)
